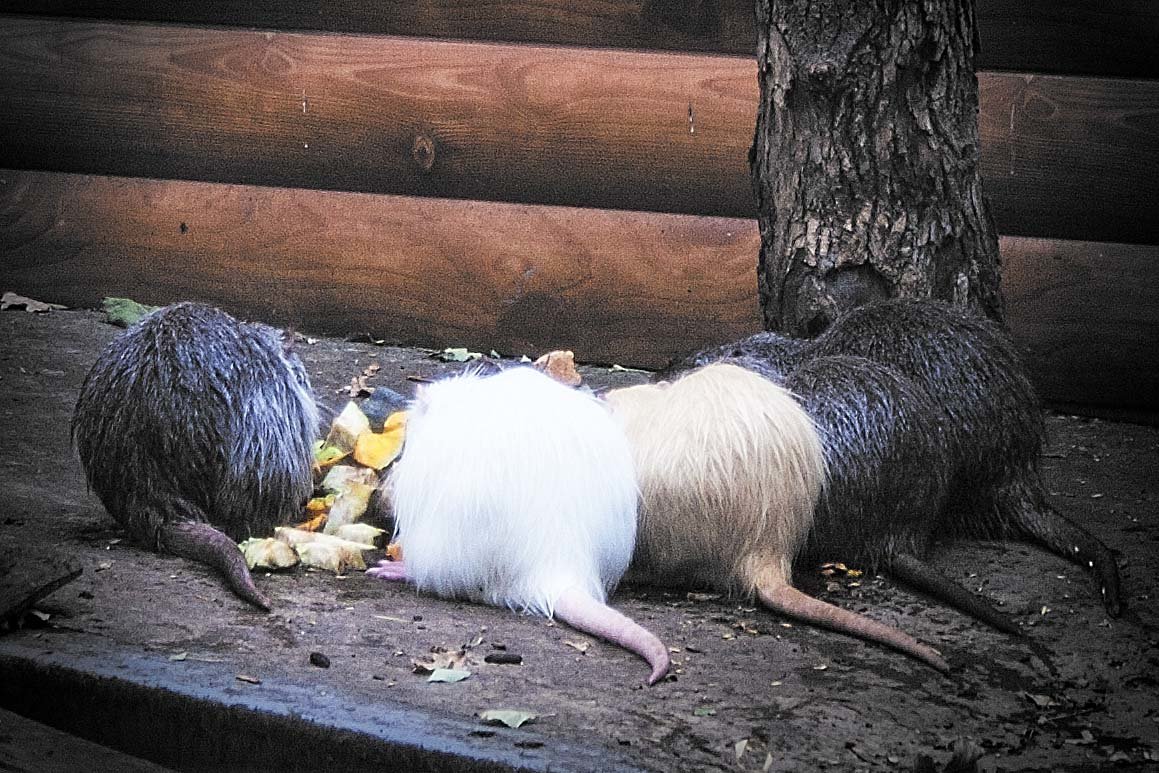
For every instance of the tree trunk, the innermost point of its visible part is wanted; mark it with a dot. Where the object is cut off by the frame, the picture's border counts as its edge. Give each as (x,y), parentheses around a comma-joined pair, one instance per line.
(865,159)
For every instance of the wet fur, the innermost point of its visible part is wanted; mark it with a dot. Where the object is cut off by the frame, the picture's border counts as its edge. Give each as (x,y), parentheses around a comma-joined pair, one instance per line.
(990,438)
(192,417)
(731,470)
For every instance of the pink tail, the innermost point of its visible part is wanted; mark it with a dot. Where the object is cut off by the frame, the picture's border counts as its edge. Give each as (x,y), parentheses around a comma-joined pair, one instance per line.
(584,613)
(790,601)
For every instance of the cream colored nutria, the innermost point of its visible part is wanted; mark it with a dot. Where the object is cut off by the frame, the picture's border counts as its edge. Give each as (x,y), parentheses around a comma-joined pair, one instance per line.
(730,470)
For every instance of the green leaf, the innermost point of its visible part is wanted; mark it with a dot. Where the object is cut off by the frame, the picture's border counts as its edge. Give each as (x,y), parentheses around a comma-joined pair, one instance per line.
(508,717)
(704,711)
(448,675)
(124,312)
(458,354)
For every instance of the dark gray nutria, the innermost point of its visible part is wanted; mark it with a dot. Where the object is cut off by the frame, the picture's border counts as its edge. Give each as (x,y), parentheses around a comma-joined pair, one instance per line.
(195,430)
(730,470)
(992,434)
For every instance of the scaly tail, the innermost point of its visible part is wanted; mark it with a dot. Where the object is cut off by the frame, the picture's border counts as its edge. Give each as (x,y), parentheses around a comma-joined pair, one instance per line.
(582,612)
(913,571)
(790,601)
(201,542)
(1033,517)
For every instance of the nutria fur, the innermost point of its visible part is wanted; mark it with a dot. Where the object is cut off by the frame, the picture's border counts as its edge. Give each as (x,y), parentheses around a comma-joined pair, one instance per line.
(195,431)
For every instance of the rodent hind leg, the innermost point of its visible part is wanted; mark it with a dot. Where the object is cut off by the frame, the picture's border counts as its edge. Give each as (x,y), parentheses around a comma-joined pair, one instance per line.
(1034,518)
(912,571)
(582,612)
(784,598)
(392,571)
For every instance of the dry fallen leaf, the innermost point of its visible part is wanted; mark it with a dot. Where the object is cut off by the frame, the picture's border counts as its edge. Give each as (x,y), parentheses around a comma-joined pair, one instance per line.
(455,660)
(560,365)
(581,646)
(248,679)
(13,301)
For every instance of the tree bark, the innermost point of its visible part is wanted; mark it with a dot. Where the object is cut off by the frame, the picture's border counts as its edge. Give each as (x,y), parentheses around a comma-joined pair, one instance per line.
(865,159)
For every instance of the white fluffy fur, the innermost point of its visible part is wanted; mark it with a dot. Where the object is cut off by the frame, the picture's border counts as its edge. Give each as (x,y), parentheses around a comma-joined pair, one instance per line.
(512,488)
(730,469)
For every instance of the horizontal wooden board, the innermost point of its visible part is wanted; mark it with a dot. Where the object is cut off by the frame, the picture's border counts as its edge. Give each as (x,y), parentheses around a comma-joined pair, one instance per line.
(614,286)
(1070,37)
(1112,37)
(1087,316)
(388,115)
(628,287)
(1063,157)
(1074,158)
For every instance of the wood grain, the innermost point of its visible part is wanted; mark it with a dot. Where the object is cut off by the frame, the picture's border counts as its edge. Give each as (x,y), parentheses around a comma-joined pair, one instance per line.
(614,286)
(1080,156)
(387,115)
(1062,157)
(627,287)
(1108,38)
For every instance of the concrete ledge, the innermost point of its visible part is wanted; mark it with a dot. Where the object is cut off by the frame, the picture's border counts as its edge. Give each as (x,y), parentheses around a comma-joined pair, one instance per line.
(202,717)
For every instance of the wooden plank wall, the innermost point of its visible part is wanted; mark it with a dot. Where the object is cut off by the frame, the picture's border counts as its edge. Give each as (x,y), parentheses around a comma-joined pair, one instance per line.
(532,173)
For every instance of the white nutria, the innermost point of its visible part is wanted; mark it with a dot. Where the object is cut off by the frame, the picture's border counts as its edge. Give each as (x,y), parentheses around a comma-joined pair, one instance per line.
(731,469)
(517,491)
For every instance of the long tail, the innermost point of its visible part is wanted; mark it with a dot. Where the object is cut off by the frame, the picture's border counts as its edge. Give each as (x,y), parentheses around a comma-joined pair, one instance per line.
(912,571)
(201,542)
(584,613)
(1045,525)
(790,601)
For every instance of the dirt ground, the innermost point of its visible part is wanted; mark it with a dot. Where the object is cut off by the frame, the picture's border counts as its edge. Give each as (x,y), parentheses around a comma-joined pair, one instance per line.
(750,691)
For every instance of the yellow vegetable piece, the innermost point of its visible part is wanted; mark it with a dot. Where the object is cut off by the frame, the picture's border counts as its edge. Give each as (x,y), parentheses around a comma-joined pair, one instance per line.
(395,421)
(314,524)
(377,449)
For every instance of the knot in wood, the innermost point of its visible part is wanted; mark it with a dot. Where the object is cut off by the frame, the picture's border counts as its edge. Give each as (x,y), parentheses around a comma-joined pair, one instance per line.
(423,151)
